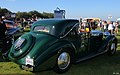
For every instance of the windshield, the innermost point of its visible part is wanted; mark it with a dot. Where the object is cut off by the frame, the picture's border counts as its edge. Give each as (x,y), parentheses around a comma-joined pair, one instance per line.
(42,29)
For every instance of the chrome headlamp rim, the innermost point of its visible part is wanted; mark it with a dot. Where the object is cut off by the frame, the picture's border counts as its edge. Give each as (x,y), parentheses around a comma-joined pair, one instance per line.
(106,33)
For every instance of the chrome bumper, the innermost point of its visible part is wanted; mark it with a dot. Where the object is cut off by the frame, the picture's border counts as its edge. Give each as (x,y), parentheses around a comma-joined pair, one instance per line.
(27,67)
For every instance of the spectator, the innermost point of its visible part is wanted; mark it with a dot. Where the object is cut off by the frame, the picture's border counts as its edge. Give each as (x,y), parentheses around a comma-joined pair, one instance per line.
(105,26)
(100,25)
(110,27)
(3,29)
(24,23)
(116,27)
(33,19)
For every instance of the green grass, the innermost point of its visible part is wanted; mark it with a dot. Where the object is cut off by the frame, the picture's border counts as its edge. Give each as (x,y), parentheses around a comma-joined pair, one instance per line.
(100,65)
(11,68)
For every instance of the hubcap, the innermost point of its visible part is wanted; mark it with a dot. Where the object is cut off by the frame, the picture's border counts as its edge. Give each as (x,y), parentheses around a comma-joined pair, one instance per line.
(113,47)
(63,60)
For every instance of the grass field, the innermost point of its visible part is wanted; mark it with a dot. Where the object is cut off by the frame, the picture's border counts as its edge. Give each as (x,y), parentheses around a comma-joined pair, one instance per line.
(100,65)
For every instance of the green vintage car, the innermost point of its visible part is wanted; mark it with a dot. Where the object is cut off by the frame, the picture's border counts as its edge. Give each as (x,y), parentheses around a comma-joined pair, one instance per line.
(57,44)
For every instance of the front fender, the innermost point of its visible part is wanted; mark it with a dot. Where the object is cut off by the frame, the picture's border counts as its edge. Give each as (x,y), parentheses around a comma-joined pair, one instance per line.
(49,56)
(108,40)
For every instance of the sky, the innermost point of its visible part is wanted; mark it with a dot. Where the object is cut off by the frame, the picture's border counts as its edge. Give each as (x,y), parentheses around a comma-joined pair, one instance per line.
(74,8)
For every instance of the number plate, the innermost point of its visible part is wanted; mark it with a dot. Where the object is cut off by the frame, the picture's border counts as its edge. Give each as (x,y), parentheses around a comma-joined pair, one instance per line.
(29,61)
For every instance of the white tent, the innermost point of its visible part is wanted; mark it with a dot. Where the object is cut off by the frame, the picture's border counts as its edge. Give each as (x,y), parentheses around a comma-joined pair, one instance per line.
(118,19)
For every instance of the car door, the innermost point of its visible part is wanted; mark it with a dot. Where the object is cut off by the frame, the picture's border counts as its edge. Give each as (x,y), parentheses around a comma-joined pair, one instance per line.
(96,38)
(79,39)
(73,36)
(84,44)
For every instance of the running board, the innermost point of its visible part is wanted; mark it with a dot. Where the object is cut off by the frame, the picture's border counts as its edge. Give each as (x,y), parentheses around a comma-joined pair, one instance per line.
(90,56)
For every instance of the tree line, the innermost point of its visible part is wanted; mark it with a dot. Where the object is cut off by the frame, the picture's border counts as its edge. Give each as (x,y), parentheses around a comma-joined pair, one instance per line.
(34,13)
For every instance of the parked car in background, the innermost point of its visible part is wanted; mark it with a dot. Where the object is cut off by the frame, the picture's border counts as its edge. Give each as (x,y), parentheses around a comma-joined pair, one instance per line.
(13,32)
(59,43)
(12,29)
(9,24)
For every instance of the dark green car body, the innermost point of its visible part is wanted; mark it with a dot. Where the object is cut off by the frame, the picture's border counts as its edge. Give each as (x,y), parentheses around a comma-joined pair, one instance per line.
(41,48)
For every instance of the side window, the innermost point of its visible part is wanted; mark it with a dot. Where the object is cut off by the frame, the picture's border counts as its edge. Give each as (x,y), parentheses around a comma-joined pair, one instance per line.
(67,30)
(71,30)
(75,30)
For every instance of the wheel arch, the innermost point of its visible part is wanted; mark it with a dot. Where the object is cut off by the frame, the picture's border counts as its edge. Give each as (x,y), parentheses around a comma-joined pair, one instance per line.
(110,39)
(52,52)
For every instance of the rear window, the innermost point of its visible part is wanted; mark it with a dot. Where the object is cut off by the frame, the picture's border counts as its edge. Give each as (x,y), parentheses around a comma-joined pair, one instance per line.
(42,29)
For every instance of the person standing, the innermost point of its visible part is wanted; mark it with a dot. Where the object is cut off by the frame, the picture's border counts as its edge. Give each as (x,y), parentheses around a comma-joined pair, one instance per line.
(105,26)
(3,29)
(116,27)
(110,27)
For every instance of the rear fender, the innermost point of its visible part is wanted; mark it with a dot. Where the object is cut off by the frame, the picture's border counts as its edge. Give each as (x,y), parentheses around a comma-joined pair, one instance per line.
(51,53)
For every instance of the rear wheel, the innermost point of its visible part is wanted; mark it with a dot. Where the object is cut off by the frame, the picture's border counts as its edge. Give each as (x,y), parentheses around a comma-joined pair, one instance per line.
(63,62)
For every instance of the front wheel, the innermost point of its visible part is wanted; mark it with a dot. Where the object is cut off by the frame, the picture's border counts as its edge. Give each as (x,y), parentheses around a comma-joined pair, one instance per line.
(63,62)
(112,48)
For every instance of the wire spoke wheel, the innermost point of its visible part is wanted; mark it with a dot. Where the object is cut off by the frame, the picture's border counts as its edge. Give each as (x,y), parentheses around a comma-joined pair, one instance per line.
(63,60)
(113,48)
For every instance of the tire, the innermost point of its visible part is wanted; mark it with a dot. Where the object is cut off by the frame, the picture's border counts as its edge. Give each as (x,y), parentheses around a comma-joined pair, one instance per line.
(63,62)
(112,48)
(5,57)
